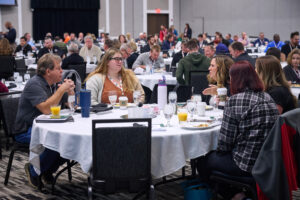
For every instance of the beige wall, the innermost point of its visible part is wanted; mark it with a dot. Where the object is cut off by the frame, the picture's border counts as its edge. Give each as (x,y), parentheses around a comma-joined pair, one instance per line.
(102,14)
(115,17)
(26,17)
(162,4)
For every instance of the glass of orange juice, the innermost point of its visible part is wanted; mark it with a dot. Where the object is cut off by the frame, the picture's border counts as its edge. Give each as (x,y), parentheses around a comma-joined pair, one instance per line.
(55,110)
(182,115)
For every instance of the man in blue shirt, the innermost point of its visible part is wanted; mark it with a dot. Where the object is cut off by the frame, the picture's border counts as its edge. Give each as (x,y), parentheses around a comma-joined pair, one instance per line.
(168,43)
(261,41)
(275,43)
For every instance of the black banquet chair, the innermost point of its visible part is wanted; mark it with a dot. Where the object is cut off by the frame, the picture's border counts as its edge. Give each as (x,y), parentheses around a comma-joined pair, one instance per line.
(80,69)
(7,66)
(121,157)
(198,80)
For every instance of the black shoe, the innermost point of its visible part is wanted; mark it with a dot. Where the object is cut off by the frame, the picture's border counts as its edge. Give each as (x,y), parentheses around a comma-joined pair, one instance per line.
(33,181)
(47,178)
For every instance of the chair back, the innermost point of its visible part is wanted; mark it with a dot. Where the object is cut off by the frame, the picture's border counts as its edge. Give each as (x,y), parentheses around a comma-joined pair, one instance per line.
(7,66)
(198,80)
(21,66)
(184,92)
(121,154)
(72,74)
(148,94)
(80,69)
(9,109)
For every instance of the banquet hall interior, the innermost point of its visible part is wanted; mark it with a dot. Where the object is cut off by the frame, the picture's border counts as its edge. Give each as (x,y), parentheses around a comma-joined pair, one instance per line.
(149,99)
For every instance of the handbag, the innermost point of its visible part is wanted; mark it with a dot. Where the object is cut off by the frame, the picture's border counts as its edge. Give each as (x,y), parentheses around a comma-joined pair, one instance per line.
(196,190)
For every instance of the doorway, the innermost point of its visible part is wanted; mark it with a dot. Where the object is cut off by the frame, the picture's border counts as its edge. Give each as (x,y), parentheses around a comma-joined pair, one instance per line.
(154,21)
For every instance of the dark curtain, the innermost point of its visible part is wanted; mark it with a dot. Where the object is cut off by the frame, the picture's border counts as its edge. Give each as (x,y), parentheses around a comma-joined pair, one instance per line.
(59,16)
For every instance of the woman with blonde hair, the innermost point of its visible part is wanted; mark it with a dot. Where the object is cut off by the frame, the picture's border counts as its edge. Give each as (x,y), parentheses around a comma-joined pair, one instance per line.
(110,75)
(218,74)
(5,48)
(292,71)
(275,84)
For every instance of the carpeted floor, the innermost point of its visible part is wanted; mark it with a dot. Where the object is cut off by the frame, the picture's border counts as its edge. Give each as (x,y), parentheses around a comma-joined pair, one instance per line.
(19,189)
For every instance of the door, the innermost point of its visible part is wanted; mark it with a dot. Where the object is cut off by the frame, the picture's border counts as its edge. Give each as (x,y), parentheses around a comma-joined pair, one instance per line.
(154,22)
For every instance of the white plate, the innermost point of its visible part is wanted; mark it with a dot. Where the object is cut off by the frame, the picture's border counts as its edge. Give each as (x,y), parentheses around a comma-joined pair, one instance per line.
(129,105)
(208,107)
(195,126)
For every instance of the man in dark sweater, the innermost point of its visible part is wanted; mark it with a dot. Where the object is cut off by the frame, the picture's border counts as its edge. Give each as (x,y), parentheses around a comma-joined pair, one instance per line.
(49,48)
(294,43)
(181,54)
(11,34)
(74,58)
(238,53)
(129,55)
(23,46)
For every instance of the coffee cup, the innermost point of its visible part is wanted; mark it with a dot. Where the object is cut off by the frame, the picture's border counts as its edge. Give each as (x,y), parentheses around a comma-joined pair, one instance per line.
(222,94)
(201,108)
(123,101)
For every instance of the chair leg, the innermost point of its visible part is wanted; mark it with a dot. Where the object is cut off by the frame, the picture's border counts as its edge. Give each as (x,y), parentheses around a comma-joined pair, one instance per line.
(183,172)
(90,190)
(193,166)
(11,156)
(69,170)
(7,143)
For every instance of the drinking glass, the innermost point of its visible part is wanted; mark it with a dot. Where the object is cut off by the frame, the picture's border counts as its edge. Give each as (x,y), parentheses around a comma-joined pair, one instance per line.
(168,112)
(19,81)
(213,103)
(16,74)
(26,77)
(112,97)
(71,103)
(173,99)
(197,98)
(55,111)
(136,97)
(94,59)
(88,59)
(191,106)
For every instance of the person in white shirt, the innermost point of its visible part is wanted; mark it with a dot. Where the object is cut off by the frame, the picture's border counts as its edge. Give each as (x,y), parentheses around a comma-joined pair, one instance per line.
(90,50)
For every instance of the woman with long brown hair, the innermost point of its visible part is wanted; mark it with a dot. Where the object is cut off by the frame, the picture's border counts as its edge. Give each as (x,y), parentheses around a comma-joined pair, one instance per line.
(110,75)
(292,70)
(270,71)
(5,48)
(218,74)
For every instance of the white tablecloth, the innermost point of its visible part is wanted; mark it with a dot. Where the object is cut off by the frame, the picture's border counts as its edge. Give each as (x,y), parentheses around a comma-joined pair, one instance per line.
(29,61)
(171,147)
(168,61)
(295,91)
(152,79)
(257,54)
(89,67)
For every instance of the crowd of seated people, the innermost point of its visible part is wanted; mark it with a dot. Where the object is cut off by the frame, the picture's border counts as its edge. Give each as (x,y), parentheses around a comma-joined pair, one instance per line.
(249,81)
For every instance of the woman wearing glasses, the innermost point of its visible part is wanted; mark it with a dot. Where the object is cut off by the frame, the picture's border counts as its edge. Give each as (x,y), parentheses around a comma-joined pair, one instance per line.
(110,75)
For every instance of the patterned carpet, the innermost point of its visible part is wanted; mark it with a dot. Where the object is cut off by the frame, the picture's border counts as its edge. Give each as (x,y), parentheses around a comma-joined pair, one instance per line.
(19,189)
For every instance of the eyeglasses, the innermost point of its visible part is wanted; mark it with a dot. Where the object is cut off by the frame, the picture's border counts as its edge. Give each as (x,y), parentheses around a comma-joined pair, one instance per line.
(117,58)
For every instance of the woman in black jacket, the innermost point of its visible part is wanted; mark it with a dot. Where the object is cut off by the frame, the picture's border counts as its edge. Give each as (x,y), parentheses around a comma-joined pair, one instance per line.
(187,31)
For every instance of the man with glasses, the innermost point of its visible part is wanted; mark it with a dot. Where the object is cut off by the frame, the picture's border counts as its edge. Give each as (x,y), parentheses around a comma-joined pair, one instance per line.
(40,93)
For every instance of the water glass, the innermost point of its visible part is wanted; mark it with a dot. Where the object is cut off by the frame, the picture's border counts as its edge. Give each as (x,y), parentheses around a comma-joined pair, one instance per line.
(136,97)
(19,81)
(71,103)
(112,97)
(16,75)
(213,102)
(88,60)
(197,98)
(191,106)
(26,77)
(173,99)
(168,112)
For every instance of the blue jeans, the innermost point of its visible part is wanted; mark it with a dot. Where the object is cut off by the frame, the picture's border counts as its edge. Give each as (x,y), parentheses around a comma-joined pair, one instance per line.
(49,160)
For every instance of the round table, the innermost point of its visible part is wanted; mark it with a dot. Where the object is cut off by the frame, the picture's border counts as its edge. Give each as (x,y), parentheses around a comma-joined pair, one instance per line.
(171,146)
(149,80)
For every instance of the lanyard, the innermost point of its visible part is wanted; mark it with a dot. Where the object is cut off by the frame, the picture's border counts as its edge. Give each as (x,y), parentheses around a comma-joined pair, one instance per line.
(119,85)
